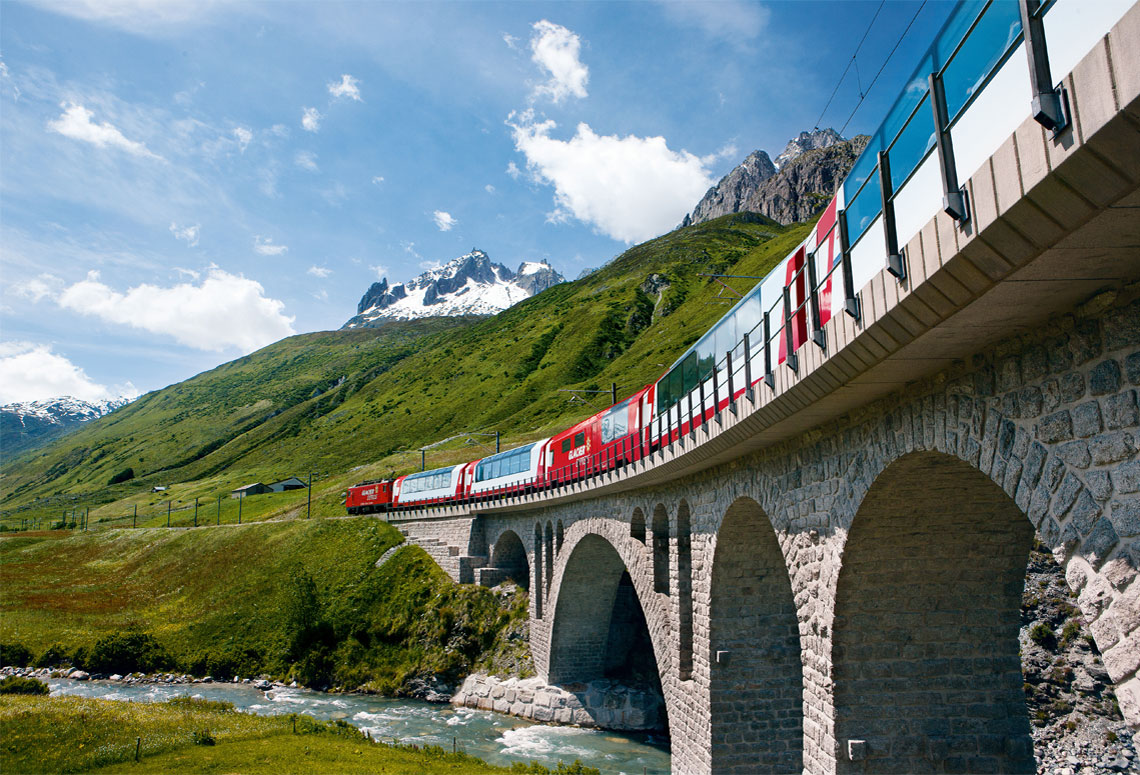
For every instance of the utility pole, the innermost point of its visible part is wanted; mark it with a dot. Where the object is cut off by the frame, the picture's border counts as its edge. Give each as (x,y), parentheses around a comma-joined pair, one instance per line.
(168,512)
(496,442)
(195,512)
(309,505)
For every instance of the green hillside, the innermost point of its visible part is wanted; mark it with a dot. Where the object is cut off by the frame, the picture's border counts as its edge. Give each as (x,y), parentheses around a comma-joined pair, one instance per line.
(297,599)
(349,404)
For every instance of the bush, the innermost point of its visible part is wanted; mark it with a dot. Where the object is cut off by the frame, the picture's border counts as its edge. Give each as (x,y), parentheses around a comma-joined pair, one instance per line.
(15,655)
(127,652)
(123,476)
(53,656)
(15,684)
(203,738)
(1042,634)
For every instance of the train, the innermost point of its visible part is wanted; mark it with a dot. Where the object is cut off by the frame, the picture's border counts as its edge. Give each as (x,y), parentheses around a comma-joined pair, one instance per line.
(734,356)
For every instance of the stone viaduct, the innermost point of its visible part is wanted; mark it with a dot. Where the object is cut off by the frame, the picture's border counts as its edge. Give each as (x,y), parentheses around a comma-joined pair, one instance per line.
(830,573)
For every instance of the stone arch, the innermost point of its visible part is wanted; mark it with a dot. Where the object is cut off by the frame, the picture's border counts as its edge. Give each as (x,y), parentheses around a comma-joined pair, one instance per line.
(660,539)
(539,576)
(926,666)
(508,555)
(559,536)
(637,526)
(756,683)
(585,644)
(548,556)
(684,543)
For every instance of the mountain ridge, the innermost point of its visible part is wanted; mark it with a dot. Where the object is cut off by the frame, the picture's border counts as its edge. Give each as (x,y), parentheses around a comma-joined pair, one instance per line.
(470,284)
(25,425)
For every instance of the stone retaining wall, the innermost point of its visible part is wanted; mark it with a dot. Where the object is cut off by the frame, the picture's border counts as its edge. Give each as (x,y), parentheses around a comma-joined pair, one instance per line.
(604,704)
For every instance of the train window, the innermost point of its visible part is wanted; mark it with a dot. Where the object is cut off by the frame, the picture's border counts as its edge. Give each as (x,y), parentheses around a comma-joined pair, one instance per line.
(689,371)
(567,445)
(615,423)
(579,439)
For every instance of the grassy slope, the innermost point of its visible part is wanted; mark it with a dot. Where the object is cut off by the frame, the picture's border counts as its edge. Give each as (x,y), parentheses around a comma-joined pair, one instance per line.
(254,418)
(223,601)
(72,734)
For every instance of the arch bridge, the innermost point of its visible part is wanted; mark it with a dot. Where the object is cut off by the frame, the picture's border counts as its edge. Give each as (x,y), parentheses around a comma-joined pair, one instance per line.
(827,576)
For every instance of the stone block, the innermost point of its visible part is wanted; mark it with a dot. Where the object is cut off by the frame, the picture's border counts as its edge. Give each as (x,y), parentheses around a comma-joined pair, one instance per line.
(1132,368)
(1100,542)
(1075,453)
(1120,410)
(1124,658)
(1126,477)
(1086,419)
(1126,516)
(1055,427)
(1111,447)
(1105,378)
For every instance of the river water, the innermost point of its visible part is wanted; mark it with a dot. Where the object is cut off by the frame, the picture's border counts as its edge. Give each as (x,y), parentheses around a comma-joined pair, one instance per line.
(492,737)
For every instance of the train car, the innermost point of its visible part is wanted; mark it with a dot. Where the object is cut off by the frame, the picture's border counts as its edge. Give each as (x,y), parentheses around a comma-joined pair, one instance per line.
(608,439)
(697,385)
(369,497)
(515,471)
(425,488)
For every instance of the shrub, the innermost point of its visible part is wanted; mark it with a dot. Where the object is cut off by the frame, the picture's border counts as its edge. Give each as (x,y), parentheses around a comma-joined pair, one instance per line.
(127,652)
(1042,634)
(203,738)
(53,656)
(1070,632)
(15,684)
(15,655)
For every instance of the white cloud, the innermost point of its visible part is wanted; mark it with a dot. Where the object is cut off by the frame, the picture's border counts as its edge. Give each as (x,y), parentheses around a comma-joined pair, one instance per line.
(735,21)
(377,179)
(265,246)
(280,130)
(319,271)
(243,137)
(306,160)
(380,270)
(555,49)
(311,120)
(489,188)
(76,123)
(192,274)
(513,170)
(30,372)
(321,295)
(225,311)
(629,188)
(140,16)
(39,287)
(443,221)
(348,87)
(511,41)
(188,234)
(729,151)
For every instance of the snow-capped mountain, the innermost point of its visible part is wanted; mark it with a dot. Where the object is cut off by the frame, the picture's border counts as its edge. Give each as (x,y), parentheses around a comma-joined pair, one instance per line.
(27,424)
(468,285)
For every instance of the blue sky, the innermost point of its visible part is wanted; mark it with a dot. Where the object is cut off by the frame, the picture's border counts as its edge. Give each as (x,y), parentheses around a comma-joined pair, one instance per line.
(184,182)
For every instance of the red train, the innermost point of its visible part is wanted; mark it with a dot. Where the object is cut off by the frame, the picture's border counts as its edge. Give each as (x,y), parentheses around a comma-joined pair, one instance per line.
(733,356)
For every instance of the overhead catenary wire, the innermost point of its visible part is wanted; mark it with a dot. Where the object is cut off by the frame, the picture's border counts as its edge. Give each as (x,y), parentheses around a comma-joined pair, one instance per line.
(871,85)
(850,62)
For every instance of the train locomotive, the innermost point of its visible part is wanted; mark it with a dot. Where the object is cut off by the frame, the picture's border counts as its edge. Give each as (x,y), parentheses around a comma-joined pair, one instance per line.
(714,371)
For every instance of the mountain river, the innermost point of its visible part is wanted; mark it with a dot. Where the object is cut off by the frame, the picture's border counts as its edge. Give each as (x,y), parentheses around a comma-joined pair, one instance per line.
(492,737)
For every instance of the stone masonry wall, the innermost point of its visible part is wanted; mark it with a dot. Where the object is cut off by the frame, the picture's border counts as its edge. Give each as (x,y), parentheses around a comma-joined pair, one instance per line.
(1019,414)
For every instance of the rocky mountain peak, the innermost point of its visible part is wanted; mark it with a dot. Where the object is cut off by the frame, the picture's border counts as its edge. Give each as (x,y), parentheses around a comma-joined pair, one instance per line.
(807,141)
(793,188)
(470,284)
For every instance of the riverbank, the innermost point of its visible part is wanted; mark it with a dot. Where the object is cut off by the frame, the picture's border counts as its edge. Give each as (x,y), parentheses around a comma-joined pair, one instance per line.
(77,734)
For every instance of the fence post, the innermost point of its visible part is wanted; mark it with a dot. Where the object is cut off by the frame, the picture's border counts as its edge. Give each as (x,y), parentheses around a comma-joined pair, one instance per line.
(195,512)
(135,517)
(168,512)
(716,393)
(219,509)
(731,385)
(241,497)
(748,369)
(895,263)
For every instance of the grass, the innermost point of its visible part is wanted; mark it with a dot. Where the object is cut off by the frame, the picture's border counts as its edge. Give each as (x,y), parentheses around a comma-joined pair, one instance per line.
(72,735)
(349,403)
(300,599)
